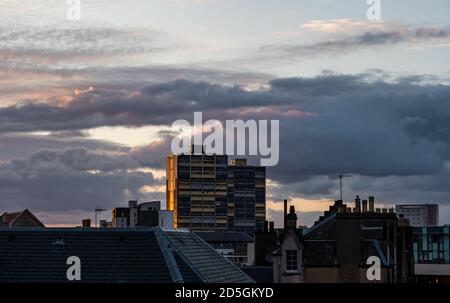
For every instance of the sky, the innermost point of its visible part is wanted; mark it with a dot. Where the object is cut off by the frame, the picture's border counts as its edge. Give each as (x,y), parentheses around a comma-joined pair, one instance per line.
(86,105)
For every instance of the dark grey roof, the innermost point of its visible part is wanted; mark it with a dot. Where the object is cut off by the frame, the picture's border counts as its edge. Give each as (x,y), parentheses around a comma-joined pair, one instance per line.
(107,255)
(324,253)
(144,255)
(261,274)
(320,253)
(322,230)
(202,257)
(221,237)
(372,248)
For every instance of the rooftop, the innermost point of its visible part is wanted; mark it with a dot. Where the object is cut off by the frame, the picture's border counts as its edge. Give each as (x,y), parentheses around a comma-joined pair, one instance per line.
(141,255)
(222,237)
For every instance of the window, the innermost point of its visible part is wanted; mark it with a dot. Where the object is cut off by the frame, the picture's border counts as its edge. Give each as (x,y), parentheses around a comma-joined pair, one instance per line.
(291,259)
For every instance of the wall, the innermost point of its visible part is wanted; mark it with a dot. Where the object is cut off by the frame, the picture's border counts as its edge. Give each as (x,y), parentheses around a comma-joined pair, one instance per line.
(281,275)
(336,275)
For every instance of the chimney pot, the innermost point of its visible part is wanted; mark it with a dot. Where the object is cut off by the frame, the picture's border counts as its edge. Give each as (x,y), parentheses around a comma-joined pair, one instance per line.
(371,204)
(291,219)
(285,213)
(271,226)
(358,204)
(86,223)
(364,206)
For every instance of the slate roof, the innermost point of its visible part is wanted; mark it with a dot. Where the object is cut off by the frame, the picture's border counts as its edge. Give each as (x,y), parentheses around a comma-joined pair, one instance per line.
(261,274)
(9,219)
(223,237)
(323,252)
(203,258)
(372,248)
(320,253)
(320,244)
(110,255)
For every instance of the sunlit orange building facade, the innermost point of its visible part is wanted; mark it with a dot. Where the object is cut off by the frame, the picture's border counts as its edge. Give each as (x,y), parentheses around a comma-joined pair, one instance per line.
(208,194)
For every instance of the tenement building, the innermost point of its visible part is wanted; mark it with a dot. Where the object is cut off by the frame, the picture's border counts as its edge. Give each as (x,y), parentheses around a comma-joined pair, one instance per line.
(206,193)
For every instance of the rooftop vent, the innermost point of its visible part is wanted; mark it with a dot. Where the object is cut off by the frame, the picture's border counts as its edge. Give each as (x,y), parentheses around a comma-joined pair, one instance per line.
(59,241)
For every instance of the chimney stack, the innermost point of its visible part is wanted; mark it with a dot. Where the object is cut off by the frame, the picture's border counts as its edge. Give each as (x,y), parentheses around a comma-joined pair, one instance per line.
(86,223)
(291,219)
(371,204)
(364,206)
(358,204)
(271,226)
(285,213)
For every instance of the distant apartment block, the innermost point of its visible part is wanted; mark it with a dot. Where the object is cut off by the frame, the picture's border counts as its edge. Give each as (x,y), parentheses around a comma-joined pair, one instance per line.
(431,248)
(419,214)
(145,214)
(208,194)
(246,196)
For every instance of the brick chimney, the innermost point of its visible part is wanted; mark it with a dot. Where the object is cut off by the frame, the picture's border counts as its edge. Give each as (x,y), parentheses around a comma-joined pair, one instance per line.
(371,204)
(358,204)
(86,223)
(291,219)
(285,214)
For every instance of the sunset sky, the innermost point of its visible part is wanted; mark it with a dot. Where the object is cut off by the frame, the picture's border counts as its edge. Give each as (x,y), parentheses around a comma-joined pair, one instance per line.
(86,106)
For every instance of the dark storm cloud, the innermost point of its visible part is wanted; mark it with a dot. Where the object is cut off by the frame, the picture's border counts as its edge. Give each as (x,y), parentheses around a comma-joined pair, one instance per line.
(158,104)
(162,103)
(154,154)
(357,125)
(70,179)
(393,129)
(365,40)
(23,145)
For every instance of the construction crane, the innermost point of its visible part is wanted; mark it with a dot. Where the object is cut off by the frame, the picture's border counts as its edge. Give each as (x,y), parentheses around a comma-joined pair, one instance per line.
(340,183)
(98,210)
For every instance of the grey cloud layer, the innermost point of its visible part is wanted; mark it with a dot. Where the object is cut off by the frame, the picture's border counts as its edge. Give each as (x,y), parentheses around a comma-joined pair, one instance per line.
(158,104)
(51,44)
(369,39)
(71,179)
(396,131)
(360,126)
